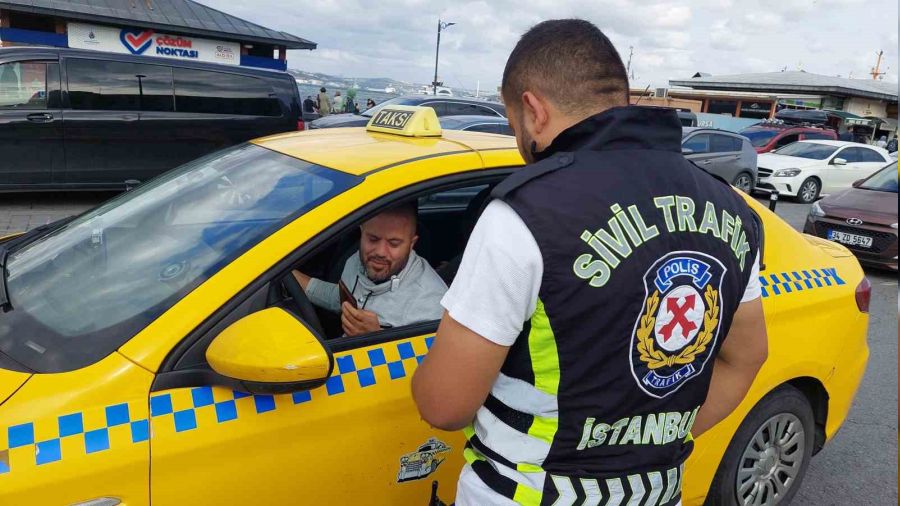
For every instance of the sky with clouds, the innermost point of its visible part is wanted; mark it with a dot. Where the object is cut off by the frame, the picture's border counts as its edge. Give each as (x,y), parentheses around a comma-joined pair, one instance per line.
(671,39)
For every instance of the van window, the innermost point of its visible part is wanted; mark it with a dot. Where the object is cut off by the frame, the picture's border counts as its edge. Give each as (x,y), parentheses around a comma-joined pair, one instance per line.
(202,91)
(23,85)
(102,85)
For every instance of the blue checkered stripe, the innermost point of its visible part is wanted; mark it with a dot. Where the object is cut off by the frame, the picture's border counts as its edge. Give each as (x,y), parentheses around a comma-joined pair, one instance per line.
(346,370)
(71,426)
(798,281)
(364,374)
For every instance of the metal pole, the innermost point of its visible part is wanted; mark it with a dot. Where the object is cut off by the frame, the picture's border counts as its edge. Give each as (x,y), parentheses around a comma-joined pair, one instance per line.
(437,51)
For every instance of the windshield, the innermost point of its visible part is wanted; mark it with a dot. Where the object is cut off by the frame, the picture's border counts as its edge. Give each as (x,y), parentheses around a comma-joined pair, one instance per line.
(807,150)
(885,180)
(85,289)
(759,138)
(394,101)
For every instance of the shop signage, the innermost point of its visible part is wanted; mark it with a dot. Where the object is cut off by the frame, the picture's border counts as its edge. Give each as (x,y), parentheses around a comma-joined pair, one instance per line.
(146,42)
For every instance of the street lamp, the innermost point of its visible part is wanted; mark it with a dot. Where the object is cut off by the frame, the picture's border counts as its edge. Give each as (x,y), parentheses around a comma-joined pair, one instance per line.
(437,51)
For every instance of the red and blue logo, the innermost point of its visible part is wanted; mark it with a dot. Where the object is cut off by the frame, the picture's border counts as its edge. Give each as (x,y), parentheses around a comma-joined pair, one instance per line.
(136,40)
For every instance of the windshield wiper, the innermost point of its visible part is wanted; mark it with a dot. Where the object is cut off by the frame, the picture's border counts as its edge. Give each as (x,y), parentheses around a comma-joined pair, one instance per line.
(35,233)
(17,242)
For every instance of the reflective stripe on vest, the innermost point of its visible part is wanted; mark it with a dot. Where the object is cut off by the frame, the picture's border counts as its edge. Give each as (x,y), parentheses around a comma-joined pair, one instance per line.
(512,432)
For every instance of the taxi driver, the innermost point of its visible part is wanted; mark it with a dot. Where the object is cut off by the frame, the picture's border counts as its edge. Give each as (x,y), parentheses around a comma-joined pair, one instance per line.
(392,285)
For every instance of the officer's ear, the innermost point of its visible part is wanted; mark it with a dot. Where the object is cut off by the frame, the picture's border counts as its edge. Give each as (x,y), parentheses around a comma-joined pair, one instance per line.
(536,112)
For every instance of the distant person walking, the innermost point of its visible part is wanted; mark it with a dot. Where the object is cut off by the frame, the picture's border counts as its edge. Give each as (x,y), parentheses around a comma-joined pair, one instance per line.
(882,142)
(370,103)
(338,106)
(324,103)
(846,135)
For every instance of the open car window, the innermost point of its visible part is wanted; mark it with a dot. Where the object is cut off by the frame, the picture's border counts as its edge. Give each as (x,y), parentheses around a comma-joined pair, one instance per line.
(446,218)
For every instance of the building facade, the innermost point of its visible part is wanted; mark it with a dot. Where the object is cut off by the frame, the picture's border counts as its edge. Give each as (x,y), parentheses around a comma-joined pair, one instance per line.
(179,29)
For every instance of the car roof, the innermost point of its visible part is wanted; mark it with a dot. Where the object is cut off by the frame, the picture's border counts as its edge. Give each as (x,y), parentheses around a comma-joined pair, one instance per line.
(471,119)
(356,151)
(841,144)
(690,130)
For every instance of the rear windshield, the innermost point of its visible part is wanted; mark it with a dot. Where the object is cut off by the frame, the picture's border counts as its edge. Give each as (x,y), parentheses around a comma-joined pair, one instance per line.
(885,180)
(807,150)
(759,138)
(85,289)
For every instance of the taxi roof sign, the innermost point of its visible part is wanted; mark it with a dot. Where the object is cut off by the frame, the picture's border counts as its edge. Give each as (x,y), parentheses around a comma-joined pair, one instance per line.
(406,120)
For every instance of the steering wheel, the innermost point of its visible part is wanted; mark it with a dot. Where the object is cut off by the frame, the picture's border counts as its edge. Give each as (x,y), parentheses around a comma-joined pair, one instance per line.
(302,303)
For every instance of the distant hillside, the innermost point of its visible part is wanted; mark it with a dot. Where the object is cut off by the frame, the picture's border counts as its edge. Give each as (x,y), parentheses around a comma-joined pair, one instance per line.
(378,83)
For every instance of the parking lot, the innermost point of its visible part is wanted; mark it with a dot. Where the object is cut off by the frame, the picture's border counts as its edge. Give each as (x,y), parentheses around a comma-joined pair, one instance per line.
(862,458)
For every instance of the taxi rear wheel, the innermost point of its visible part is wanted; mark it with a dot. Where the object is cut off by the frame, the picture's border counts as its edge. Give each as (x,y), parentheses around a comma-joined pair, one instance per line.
(769,454)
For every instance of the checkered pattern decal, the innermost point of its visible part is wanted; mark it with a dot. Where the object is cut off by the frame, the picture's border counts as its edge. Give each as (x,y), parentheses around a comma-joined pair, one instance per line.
(353,370)
(798,281)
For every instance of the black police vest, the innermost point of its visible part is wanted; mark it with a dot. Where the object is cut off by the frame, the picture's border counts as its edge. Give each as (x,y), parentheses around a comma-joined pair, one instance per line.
(646,258)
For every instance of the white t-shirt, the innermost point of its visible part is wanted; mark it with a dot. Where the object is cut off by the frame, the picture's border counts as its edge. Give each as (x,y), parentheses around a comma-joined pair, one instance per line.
(496,288)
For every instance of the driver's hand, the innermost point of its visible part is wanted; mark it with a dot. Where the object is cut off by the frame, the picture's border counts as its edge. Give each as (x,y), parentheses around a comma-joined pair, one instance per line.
(358,321)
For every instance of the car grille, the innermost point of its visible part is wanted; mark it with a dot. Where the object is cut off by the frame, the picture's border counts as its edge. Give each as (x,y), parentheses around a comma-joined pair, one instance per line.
(763,172)
(413,467)
(880,240)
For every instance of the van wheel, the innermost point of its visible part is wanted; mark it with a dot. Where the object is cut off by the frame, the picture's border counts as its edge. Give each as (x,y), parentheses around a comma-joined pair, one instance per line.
(809,190)
(769,454)
(743,182)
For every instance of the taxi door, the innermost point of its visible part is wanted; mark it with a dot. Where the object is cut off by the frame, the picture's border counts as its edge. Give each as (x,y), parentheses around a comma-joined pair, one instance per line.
(358,438)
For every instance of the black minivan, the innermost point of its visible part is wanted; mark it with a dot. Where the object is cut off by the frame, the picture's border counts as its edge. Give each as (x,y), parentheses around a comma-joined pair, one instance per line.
(76,119)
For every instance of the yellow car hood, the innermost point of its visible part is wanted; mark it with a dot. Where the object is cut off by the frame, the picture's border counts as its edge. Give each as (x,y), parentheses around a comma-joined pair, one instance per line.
(10,381)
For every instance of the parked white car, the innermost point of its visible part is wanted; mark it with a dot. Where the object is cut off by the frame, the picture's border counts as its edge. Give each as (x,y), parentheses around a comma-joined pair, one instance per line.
(809,169)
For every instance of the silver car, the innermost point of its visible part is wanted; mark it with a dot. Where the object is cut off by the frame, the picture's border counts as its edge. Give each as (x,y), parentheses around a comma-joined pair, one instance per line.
(721,153)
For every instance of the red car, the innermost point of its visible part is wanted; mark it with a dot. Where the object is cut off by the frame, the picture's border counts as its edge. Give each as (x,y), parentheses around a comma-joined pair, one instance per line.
(767,137)
(862,218)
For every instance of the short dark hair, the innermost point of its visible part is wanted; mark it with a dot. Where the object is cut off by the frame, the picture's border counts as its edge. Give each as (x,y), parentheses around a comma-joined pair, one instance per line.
(322,89)
(571,63)
(408,210)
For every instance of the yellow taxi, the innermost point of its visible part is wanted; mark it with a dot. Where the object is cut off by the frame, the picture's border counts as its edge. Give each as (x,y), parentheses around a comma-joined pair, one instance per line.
(157,349)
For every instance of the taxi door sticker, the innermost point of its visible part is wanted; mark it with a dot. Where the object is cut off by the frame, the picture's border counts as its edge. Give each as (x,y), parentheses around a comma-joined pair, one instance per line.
(422,462)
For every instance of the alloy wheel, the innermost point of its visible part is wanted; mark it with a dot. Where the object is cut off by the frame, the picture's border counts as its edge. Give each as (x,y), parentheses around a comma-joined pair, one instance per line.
(808,191)
(743,183)
(771,462)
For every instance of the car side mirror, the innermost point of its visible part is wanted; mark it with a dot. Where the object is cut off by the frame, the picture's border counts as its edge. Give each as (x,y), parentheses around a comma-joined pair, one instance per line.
(270,352)
(839,161)
(687,151)
(858,182)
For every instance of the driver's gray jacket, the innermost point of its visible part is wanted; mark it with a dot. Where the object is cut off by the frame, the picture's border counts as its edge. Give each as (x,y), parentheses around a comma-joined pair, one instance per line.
(410,296)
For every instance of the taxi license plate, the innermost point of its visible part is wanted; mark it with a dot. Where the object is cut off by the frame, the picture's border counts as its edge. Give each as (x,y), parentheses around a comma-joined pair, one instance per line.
(850,239)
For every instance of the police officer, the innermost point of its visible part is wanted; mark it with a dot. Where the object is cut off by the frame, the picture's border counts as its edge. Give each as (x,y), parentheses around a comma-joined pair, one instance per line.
(607,305)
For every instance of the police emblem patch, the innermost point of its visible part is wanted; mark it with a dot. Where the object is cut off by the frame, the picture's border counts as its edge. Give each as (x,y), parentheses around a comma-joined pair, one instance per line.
(678,326)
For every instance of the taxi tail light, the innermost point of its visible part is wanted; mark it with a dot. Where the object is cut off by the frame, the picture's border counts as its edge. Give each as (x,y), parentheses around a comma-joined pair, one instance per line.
(864,295)
(301,126)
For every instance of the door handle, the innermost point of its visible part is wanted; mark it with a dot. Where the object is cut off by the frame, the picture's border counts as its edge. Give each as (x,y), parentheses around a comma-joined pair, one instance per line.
(40,117)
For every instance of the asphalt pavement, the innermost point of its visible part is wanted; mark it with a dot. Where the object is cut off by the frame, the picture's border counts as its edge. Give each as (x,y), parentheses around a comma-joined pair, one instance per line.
(858,467)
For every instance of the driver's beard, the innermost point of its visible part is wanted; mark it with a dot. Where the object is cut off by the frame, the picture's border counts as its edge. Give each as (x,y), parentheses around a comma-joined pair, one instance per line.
(378,279)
